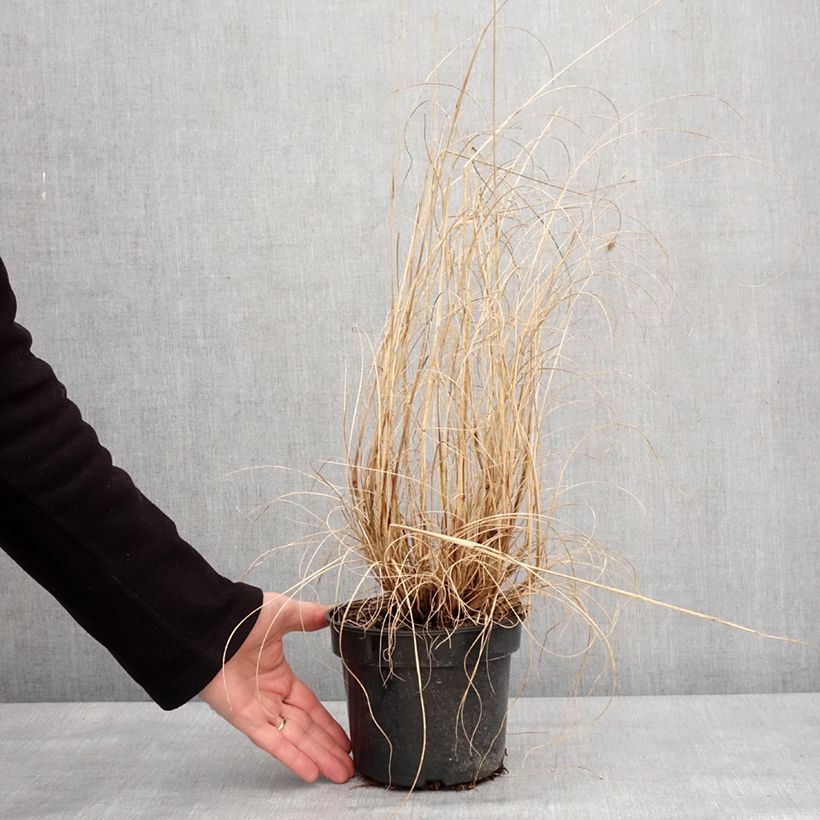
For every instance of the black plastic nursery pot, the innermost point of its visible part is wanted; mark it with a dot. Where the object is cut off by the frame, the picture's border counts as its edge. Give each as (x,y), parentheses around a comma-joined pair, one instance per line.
(427,709)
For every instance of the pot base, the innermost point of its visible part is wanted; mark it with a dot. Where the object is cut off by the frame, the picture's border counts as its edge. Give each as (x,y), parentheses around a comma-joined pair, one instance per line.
(436,785)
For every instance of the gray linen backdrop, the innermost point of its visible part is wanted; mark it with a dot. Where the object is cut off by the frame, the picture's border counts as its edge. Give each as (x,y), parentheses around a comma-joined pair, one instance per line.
(194,204)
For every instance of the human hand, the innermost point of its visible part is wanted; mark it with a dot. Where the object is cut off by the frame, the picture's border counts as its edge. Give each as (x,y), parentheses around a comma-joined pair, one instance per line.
(271,705)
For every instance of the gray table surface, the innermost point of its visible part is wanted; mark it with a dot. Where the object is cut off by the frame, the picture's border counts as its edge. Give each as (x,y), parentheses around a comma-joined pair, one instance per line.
(746,756)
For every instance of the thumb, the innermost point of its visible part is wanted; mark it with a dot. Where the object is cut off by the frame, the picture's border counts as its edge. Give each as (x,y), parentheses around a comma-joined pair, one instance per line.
(303,616)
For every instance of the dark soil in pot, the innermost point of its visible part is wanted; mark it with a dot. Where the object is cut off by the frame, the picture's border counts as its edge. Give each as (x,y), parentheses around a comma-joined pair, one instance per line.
(462,701)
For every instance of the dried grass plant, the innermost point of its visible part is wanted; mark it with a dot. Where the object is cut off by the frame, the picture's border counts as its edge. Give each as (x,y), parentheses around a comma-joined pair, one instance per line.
(446,491)
(447,502)
(453,502)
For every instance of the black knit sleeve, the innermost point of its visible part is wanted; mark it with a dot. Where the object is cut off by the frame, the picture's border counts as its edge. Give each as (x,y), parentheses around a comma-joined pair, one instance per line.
(79,526)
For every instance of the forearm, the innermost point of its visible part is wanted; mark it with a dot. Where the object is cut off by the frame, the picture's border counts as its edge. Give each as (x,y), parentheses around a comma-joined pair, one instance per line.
(80,527)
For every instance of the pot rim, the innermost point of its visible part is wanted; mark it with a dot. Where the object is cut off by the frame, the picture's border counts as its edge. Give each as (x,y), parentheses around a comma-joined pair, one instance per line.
(372,630)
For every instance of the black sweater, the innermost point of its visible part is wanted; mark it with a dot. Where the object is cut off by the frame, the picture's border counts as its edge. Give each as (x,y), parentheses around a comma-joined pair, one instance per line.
(79,526)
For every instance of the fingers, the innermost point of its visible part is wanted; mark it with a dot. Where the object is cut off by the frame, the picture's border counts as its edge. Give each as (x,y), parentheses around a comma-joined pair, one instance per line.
(334,763)
(299,746)
(304,698)
(302,744)
(275,743)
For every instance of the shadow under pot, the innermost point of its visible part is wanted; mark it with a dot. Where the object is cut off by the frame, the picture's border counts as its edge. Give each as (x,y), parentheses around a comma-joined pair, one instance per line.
(427,708)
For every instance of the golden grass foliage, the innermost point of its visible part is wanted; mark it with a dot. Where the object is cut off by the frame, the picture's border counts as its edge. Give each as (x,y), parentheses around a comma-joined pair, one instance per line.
(453,502)
(446,497)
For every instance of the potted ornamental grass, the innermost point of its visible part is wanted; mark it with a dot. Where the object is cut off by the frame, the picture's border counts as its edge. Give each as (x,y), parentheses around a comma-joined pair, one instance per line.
(446,504)
(452,507)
